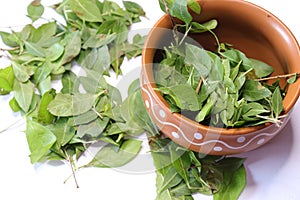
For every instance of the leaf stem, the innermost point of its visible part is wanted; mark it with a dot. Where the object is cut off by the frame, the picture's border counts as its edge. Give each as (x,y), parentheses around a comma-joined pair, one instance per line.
(10,126)
(71,161)
(12,49)
(168,13)
(199,85)
(278,76)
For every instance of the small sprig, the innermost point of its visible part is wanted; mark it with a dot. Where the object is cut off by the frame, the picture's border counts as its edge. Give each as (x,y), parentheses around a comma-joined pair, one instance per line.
(297,74)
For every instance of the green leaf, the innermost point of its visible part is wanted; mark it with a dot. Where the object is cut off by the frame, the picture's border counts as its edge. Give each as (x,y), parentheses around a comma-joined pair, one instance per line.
(198,58)
(181,161)
(237,56)
(69,83)
(277,106)
(197,27)
(55,51)
(170,179)
(111,156)
(253,109)
(42,72)
(254,91)
(233,184)
(194,6)
(44,116)
(45,85)
(43,34)
(14,105)
(186,100)
(24,94)
(85,118)
(87,10)
(20,72)
(261,69)
(292,79)
(72,44)
(205,110)
(7,79)
(35,10)
(40,140)
(9,39)
(93,129)
(63,131)
(134,8)
(180,11)
(34,49)
(65,105)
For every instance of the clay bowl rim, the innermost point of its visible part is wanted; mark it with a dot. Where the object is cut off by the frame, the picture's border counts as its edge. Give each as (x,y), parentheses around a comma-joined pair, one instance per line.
(192,123)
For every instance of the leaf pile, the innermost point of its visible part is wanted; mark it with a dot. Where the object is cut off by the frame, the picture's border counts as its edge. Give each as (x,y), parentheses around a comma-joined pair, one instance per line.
(62,123)
(181,173)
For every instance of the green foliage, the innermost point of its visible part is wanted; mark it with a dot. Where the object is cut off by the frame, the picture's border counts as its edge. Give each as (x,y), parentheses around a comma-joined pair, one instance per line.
(61,124)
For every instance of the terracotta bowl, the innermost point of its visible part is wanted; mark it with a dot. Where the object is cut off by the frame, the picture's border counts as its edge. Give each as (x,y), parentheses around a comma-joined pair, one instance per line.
(249,28)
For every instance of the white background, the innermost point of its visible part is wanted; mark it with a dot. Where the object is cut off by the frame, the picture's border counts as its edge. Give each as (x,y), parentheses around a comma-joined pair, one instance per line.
(272,171)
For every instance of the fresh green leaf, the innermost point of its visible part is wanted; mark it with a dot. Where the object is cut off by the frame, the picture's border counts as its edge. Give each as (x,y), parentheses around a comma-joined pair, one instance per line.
(63,131)
(194,6)
(7,79)
(198,58)
(254,91)
(181,161)
(134,8)
(171,179)
(87,10)
(93,129)
(35,10)
(65,105)
(292,79)
(234,184)
(42,72)
(55,51)
(72,44)
(24,94)
(180,11)
(111,156)
(85,118)
(20,72)
(44,116)
(261,69)
(277,105)
(69,83)
(186,100)
(40,140)
(43,34)
(14,105)
(34,49)
(203,27)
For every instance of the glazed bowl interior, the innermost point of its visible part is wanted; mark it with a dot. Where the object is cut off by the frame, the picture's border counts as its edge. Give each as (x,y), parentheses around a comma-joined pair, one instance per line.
(249,28)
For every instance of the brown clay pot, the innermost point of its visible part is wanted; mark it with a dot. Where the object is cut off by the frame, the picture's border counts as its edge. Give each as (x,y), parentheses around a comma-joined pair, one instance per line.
(249,28)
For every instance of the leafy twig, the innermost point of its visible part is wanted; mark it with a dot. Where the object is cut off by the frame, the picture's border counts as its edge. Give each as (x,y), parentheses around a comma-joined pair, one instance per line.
(278,77)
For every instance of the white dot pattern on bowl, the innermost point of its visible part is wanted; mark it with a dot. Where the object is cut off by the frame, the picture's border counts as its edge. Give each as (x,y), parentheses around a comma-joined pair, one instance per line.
(217,148)
(261,141)
(241,139)
(175,135)
(241,142)
(162,113)
(147,104)
(198,136)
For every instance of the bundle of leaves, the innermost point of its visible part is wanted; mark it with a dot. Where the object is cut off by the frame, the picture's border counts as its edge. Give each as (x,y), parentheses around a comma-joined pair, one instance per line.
(67,111)
(224,88)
